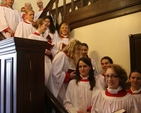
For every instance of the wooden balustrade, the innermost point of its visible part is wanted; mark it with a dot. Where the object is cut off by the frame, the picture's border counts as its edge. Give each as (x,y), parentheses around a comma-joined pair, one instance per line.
(84,12)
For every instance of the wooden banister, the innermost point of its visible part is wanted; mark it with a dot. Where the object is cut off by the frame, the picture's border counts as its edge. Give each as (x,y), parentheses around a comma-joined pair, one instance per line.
(47,8)
(92,11)
(2,37)
(53,102)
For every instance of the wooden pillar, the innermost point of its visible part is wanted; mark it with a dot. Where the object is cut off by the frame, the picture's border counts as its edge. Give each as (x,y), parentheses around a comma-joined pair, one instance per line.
(22,88)
(72,5)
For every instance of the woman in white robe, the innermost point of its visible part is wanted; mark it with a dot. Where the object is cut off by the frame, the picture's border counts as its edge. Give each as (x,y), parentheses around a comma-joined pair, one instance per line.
(105,62)
(78,97)
(115,98)
(9,19)
(63,60)
(51,34)
(64,36)
(135,85)
(41,26)
(84,53)
(25,28)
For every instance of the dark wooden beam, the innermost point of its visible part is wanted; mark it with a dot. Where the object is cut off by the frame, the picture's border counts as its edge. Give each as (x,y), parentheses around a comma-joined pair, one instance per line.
(102,10)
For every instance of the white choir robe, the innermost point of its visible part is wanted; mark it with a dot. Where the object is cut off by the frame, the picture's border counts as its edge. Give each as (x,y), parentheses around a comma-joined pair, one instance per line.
(54,38)
(100,78)
(103,103)
(37,14)
(79,97)
(137,97)
(56,84)
(47,60)
(9,19)
(24,29)
(95,68)
(64,41)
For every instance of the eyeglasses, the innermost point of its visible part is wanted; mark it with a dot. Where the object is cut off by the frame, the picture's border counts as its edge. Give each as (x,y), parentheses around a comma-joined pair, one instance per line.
(111,76)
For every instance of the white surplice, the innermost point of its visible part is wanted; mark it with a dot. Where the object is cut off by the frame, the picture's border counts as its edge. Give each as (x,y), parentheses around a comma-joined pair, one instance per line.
(103,103)
(100,78)
(24,29)
(47,61)
(79,97)
(64,41)
(56,84)
(9,19)
(137,95)
(54,38)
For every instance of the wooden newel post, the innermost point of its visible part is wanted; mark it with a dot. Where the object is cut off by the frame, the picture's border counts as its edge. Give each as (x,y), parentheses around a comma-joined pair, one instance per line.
(22,88)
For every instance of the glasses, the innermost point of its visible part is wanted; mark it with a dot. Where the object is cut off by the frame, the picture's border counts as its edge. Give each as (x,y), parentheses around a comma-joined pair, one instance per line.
(111,76)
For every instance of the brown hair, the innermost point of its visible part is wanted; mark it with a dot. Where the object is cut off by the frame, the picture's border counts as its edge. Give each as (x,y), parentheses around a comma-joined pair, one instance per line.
(121,74)
(36,24)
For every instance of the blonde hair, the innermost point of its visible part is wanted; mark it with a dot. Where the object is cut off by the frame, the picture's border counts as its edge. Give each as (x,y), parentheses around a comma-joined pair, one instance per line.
(71,49)
(36,24)
(64,24)
(29,10)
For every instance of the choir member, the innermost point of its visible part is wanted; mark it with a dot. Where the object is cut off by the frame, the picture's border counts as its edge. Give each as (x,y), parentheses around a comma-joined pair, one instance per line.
(115,98)
(62,62)
(135,85)
(79,93)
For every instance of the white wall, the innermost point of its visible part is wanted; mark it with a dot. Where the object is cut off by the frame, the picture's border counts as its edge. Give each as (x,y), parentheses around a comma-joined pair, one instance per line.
(20,3)
(110,38)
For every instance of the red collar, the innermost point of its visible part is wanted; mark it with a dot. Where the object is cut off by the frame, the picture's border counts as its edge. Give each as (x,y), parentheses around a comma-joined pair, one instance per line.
(84,80)
(130,91)
(103,74)
(36,33)
(121,93)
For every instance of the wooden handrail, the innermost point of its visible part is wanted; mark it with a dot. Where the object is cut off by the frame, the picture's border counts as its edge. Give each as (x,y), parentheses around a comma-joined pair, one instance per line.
(2,37)
(53,102)
(92,11)
(47,8)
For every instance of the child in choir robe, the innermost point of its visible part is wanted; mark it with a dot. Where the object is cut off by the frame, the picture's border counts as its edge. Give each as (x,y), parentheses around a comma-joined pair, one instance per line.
(105,62)
(51,34)
(135,85)
(84,53)
(9,19)
(62,62)
(64,36)
(25,28)
(115,98)
(41,26)
(78,97)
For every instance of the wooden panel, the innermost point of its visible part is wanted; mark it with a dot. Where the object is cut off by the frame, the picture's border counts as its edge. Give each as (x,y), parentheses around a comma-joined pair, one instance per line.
(22,76)
(7,81)
(135,54)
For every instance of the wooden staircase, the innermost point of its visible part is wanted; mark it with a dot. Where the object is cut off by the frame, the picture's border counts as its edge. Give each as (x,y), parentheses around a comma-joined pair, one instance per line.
(79,13)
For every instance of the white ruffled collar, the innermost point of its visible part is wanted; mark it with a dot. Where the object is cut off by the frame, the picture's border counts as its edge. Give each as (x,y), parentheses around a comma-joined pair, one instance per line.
(114,91)
(84,78)
(136,91)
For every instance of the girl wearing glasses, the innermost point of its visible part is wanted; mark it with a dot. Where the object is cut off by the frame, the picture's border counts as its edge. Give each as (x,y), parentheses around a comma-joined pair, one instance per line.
(115,98)
(135,85)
